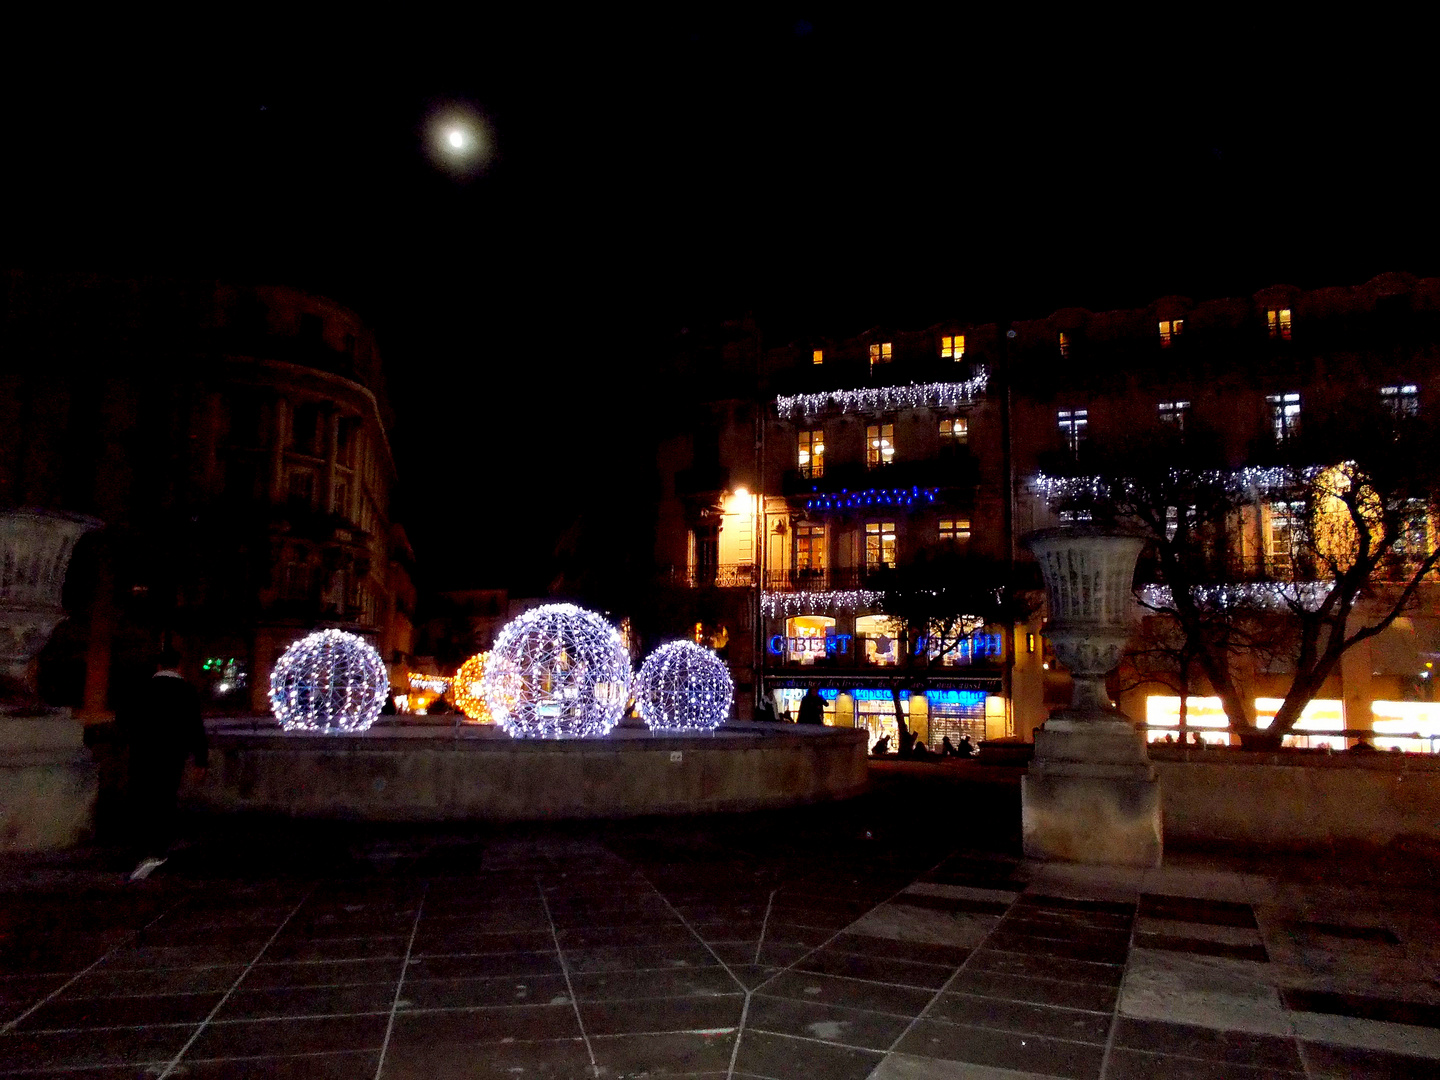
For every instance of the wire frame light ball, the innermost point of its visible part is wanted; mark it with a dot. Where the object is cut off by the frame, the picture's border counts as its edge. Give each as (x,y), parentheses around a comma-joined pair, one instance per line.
(468,692)
(684,687)
(329,681)
(557,672)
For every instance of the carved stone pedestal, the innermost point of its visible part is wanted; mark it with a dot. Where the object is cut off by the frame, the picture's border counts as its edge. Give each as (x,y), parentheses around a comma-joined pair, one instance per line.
(1091,795)
(48,781)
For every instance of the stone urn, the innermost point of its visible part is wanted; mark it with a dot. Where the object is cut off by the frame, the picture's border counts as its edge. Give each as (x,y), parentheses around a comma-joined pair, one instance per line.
(1091,794)
(48,781)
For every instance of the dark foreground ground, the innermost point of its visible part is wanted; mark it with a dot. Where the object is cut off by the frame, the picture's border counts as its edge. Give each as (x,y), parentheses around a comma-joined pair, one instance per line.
(898,936)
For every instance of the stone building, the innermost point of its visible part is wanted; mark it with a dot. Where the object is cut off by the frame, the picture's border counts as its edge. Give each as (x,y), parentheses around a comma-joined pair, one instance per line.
(804,469)
(235,443)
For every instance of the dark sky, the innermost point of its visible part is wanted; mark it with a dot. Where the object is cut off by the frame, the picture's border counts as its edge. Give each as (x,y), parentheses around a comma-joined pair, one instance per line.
(826,173)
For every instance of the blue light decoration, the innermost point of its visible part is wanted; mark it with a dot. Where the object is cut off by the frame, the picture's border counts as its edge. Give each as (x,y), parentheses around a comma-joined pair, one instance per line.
(846,499)
(557,672)
(684,687)
(330,682)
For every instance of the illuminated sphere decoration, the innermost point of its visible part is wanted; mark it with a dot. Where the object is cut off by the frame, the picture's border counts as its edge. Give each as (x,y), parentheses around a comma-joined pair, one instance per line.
(330,681)
(468,692)
(684,687)
(557,672)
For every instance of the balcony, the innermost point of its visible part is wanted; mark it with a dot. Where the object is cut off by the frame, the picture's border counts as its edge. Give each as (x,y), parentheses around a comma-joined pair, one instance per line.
(952,475)
(816,579)
(721,576)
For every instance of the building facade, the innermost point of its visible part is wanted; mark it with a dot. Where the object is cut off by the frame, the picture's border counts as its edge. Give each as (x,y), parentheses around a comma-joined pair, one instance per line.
(779,508)
(235,442)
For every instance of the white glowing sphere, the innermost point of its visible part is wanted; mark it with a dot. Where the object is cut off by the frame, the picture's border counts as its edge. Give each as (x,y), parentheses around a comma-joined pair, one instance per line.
(329,681)
(456,138)
(557,672)
(684,687)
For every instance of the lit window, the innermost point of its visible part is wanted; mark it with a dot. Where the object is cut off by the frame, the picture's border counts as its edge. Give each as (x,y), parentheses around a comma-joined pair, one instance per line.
(809,549)
(954,431)
(882,353)
(1278,321)
(1401,400)
(1170,329)
(1074,427)
(954,531)
(1284,415)
(1174,414)
(879,544)
(952,348)
(1286,521)
(811,454)
(879,445)
(1064,344)
(818,356)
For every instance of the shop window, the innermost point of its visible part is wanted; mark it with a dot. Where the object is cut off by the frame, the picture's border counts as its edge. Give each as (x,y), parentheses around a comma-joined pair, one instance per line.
(875,711)
(1074,427)
(808,638)
(882,353)
(876,640)
(954,530)
(954,432)
(1174,415)
(952,347)
(1320,716)
(1284,415)
(787,702)
(879,445)
(811,454)
(817,357)
(1277,321)
(809,550)
(1401,400)
(1170,329)
(879,544)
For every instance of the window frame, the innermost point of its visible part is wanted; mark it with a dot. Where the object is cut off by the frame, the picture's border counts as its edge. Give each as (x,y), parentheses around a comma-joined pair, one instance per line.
(1074,428)
(876,438)
(881,532)
(811,444)
(952,347)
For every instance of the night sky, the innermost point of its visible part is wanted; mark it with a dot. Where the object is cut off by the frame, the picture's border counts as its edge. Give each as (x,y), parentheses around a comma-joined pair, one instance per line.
(826,174)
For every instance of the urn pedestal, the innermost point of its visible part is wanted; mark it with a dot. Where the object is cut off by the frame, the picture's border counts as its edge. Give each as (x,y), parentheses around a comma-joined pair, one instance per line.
(1091,794)
(48,780)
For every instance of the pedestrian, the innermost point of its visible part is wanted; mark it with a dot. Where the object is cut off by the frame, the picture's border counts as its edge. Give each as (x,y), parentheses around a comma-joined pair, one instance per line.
(966,747)
(812,708)
(162,728)
(764,711)
(947,748)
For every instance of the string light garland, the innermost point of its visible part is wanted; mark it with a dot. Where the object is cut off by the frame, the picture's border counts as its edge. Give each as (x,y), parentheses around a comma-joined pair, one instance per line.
(684,687)
(468,689)
(846,499)
(809,603)
(1251,480)
(557,672)
(1267,595)
(330,681)
(937,395)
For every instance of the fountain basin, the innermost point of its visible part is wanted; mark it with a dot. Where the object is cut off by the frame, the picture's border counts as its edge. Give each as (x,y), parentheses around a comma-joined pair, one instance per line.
(477,772)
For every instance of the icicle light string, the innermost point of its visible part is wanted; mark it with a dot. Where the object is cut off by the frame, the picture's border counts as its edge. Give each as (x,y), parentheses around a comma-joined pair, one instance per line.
(938,395)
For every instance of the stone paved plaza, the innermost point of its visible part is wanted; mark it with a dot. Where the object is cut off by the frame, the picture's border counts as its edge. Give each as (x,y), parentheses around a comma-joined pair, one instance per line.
(896,936)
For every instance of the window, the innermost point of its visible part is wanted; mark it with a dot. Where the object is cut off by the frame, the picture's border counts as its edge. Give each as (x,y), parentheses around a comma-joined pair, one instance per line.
(879,445)
(1173,414)
(1278,322)
(811,454)
(952,348)
(1284,415)
(817,357)
(1074,425)
(1287,519)
(879,544)
(342,499)
(1170,329)
(305,430)
(301,487)
(954,530)
(882,353)
(1401,400)
(1064,344)
(876,640)
(809,549)
(1412,542)
(954,432)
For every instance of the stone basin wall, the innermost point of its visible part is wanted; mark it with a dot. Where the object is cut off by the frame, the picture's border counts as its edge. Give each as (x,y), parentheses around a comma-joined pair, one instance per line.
(1290,799)
(428,773)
